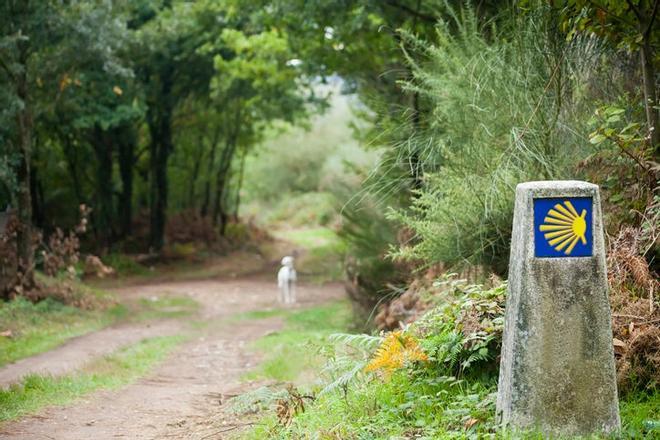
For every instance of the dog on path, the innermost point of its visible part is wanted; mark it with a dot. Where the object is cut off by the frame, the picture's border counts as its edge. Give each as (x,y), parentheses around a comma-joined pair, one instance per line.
(286,281)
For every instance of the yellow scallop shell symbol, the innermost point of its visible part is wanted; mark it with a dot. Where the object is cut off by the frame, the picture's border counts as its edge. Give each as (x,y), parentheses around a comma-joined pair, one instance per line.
(563,227)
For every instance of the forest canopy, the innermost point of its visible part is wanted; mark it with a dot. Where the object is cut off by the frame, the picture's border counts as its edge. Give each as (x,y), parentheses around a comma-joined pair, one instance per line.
(147,111)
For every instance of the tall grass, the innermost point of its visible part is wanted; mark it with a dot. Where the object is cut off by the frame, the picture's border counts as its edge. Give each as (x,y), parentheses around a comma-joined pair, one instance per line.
(509,103)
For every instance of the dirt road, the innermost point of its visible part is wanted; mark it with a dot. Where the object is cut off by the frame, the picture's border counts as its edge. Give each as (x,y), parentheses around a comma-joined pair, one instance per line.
(182,394)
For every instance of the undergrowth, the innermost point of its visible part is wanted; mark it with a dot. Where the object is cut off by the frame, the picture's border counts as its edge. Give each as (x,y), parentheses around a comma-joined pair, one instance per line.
(434,379)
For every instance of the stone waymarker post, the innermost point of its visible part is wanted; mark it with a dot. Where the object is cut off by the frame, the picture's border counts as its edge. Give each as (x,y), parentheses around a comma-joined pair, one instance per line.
(557,369)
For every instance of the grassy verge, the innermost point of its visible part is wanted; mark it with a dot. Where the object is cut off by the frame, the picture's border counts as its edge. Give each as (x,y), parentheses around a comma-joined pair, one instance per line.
(399,408)
(640,415)
(423,382)
(113,371)
(293,351)
(35,328)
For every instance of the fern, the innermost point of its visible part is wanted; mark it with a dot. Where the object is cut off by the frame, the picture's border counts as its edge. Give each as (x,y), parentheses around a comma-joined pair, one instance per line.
(363,342)
(256,400)
(345,379)
(396,350)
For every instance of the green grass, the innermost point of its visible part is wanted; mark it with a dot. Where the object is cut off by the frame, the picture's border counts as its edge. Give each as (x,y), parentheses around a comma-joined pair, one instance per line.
(324,256)
(116,370)
(259,314)
(40,327)
(166,307)
(291,352)
(36,328)
(399,408)
(640,415)
(309,238)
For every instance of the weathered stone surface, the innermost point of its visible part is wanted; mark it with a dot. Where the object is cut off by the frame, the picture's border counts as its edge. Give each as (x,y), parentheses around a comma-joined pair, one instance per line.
(557,369)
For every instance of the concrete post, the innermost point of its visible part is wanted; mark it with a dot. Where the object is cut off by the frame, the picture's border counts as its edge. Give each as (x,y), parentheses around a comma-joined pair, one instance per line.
(557,370)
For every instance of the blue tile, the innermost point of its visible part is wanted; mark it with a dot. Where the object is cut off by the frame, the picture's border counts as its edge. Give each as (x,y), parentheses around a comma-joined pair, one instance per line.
(563,227)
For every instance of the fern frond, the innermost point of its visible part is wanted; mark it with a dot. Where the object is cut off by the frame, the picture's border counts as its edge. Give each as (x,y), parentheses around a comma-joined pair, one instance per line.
(395,351)
(360,341)
(345,379)
(256,400)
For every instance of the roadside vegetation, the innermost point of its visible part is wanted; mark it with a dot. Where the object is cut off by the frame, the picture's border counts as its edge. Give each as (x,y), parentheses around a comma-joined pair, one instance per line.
(30,329)
(436,378)
(294,353)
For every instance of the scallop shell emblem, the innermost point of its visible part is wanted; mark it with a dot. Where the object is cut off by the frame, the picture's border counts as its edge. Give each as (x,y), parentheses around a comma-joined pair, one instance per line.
(563,227)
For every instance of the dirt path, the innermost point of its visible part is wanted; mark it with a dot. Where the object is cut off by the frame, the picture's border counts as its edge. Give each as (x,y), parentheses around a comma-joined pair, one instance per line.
(77,352)
(178,396)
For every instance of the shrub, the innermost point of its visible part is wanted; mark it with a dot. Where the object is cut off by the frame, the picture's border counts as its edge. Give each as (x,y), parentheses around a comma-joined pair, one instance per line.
(509,104)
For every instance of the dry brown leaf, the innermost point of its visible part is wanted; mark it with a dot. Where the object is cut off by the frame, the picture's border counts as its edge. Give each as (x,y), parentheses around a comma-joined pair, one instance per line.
(471,422)
(619,343)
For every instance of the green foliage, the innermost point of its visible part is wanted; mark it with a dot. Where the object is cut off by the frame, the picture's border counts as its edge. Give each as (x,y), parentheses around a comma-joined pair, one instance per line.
(297,175)
(452,396)
(294,350)
(623,163)
(509,105)
(369,236)
(304,210)
(463,334)
(623,22)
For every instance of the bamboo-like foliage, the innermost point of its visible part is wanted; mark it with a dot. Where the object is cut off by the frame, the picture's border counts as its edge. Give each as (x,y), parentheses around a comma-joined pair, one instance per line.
(509,104)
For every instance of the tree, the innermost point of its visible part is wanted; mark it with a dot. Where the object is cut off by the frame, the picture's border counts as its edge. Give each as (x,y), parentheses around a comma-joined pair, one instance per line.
(171,68)
(28,27)
(96,103)
(629,24)
(255,86)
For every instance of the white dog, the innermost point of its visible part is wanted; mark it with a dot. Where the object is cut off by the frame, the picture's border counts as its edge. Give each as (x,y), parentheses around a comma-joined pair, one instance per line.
(286,281)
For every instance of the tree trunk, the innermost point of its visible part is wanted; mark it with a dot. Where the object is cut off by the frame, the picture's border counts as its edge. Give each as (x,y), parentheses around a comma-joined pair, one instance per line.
(194,175)
(239,186)
(103,211)
(70,155)
(219,190)
(37,192)
(24,247)
(650,96)
(158,189)
(224,167)
(207,183)
(159,118)
(126,155)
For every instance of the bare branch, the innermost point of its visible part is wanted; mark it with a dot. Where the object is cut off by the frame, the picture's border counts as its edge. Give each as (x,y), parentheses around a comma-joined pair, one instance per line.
(654,13)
